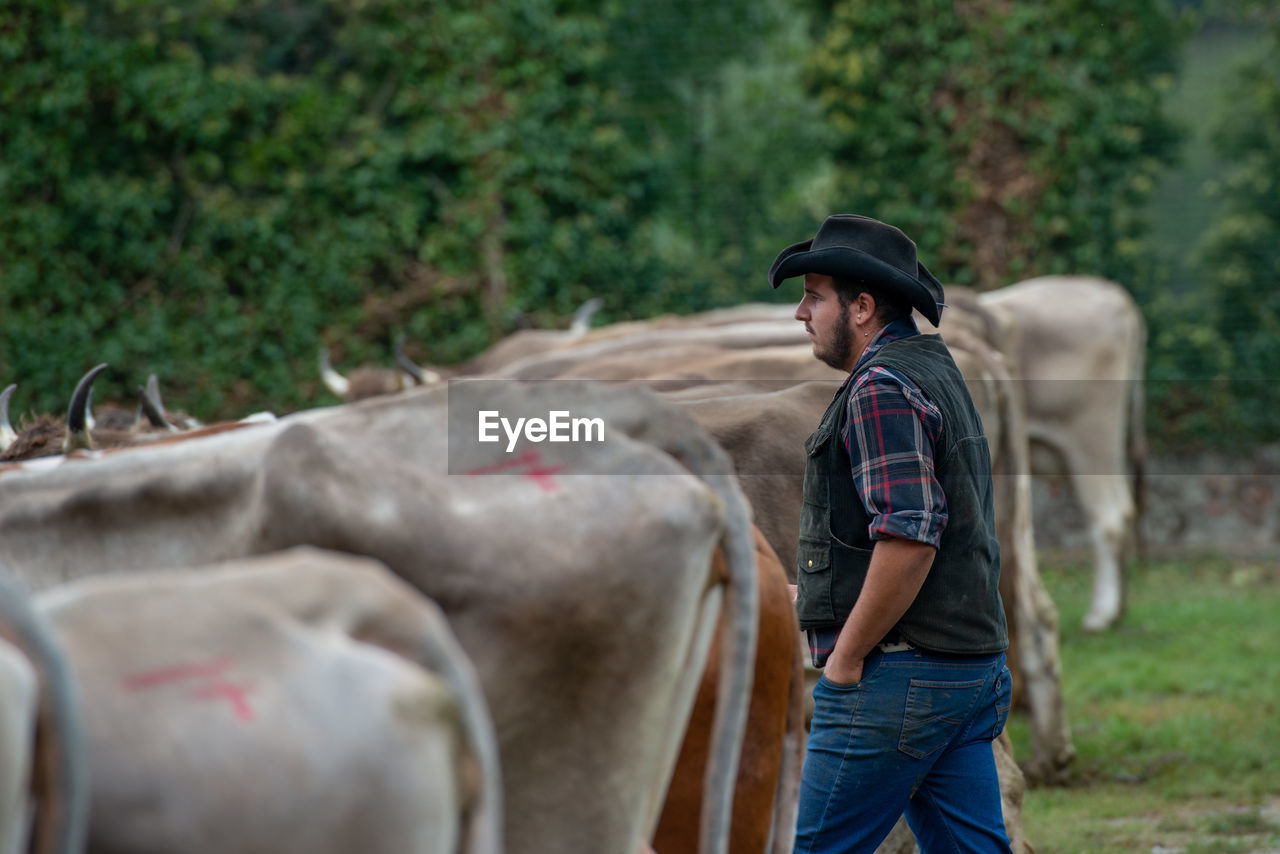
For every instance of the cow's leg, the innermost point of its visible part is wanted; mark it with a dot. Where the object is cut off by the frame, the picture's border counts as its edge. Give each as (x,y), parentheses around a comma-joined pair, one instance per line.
(1108,505)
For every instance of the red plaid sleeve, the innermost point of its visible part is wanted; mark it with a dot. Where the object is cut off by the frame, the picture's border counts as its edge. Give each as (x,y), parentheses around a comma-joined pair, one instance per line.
(890,434)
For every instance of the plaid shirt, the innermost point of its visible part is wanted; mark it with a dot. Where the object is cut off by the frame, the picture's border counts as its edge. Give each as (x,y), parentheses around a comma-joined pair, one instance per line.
(890,432)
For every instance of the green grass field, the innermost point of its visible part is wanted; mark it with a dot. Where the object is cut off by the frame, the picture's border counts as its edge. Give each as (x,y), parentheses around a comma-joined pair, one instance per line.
(1175,714)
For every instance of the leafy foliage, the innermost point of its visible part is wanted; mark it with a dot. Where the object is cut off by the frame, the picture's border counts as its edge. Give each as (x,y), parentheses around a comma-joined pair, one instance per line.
(210,190)
(1009,140)
(734,137)
(1240,256)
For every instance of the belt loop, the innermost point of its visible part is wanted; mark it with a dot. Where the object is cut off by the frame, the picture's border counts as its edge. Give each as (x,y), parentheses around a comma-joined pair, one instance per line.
(899,646)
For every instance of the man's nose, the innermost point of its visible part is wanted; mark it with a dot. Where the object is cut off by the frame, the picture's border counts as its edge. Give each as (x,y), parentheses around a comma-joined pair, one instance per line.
(802,312)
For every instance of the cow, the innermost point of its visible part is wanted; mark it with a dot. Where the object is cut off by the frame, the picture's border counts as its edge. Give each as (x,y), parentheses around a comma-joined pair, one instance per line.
(528,342)
(1078,345)
(7,433)
(764,431)
(46,436)
(760,402)
(679,367)
(577,577)
(302,701)
(42,747)
(642,346)
(766,795)
(760,398)
(368,381)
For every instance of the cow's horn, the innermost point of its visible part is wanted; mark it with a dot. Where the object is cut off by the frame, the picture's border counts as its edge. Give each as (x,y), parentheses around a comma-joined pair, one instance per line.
(420,375)
(153,406)
(333,380)
(7,433)
(77,430)
(582,317)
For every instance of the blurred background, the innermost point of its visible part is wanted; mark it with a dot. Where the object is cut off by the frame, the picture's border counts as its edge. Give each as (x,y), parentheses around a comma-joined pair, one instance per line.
(212,190)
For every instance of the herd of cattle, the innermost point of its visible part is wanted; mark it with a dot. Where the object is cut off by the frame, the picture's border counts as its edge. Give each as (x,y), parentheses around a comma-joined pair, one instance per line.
(358,628)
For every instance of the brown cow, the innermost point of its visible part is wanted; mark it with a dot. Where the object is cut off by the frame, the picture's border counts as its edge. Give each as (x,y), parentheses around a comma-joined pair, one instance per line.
(767,792)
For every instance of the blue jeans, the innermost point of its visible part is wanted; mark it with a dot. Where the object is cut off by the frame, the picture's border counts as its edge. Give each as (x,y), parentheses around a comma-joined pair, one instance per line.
(914,735)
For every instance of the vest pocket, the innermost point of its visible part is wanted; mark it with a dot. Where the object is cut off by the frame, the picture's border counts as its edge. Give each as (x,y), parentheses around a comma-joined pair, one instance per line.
(814,605)
(849,566)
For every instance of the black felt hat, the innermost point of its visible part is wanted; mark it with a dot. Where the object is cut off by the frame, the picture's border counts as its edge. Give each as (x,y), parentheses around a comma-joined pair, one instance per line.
(848,246)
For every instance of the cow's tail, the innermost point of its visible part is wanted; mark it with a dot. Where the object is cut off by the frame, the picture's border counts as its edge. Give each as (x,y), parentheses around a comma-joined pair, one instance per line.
(483,832)
(680,436)
(60,775)
(1136,438)
(737,666)
(786,801)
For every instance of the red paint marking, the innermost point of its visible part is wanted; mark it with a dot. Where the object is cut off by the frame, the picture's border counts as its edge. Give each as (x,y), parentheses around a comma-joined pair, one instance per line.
(527,458)
(542,476)
(152,678)
(529,461)
(234,693)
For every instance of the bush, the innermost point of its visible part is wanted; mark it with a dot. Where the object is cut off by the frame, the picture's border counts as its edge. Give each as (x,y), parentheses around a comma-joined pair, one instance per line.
(211,190)
(1009,140)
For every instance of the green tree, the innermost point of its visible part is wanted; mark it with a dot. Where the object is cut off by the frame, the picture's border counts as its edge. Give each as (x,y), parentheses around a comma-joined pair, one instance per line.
(211,189)
(1240,260)
(736,143)
(1008,139)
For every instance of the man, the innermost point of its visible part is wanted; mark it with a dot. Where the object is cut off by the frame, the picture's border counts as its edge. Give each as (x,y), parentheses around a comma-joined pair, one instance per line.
(898,563)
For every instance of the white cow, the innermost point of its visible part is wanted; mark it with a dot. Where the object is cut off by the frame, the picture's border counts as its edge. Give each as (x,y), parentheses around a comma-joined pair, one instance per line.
(297,703)
(578,577)
(42,759)
(1078,344)
(760,398)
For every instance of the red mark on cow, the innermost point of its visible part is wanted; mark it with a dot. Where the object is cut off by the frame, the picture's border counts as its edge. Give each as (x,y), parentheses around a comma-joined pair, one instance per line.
(164,675)
(236,694)
(528,464)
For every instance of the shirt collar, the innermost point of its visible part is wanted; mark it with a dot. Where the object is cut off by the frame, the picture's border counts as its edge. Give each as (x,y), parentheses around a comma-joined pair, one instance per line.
(902,328)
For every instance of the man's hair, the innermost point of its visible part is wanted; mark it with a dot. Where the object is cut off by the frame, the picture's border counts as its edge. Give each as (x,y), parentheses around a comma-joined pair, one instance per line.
(888,308)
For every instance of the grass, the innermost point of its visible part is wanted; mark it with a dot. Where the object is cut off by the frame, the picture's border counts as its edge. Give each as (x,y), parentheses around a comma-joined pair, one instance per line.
(1175,714)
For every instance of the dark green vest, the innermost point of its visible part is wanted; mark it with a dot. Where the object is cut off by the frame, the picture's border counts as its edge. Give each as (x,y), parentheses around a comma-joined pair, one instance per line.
(958,609)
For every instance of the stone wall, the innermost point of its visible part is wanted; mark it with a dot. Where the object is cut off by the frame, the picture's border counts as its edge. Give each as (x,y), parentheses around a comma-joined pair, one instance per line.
(1209,502)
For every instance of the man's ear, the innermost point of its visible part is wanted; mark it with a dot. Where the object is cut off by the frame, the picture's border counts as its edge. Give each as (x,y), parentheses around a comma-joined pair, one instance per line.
(864,307)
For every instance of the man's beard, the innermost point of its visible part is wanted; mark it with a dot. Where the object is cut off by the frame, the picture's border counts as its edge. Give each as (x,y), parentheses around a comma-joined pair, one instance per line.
(841,347)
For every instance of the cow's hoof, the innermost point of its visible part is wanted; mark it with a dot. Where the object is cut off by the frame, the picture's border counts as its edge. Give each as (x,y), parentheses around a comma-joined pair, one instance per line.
(1094,623)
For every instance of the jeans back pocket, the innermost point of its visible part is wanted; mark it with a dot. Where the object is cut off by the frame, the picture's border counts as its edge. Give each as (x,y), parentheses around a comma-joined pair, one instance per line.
(935,712)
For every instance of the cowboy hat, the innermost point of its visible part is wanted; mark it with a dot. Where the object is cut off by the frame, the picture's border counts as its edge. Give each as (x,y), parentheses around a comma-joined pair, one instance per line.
(865,250)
